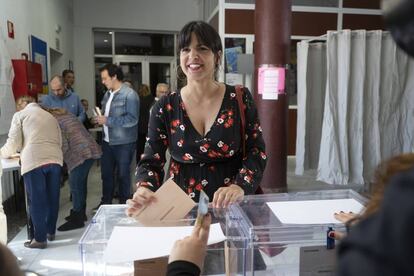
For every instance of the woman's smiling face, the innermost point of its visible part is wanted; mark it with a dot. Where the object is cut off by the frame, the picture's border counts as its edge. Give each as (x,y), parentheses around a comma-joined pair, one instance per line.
(197,61)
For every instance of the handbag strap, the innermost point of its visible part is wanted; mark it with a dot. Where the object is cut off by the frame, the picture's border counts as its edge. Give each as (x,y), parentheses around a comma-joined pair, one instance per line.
(239,97)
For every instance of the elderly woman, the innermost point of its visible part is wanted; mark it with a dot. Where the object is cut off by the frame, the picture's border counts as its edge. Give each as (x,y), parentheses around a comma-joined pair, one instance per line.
(35,133)
(79,152)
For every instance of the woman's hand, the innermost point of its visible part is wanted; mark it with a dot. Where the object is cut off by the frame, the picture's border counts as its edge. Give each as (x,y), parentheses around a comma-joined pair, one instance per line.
(344,218)
(193,248)
(225,196)
(142,197)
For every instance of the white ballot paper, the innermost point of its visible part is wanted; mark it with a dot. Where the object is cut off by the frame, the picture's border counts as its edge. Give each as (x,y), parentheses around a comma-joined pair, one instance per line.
(313,211)
(140,243)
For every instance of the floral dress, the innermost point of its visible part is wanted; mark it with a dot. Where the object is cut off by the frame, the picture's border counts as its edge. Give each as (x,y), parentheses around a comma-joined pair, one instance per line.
(203,162)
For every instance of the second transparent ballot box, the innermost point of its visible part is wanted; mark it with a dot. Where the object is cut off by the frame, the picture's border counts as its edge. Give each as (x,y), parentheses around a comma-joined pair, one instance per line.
(287,233)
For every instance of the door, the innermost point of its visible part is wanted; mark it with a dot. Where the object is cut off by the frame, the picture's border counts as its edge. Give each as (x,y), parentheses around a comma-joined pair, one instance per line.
(148,70)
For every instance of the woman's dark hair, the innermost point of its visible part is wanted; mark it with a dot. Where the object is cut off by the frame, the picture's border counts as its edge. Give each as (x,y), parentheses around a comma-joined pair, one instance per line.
(206,35)
(385,171)
(113,70)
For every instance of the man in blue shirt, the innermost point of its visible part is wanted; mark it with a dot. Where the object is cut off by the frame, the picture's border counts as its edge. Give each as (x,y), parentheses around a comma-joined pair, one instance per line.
(61,97)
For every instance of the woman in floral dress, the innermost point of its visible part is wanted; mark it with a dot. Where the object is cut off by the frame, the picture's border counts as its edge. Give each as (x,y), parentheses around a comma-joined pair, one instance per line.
(200,125)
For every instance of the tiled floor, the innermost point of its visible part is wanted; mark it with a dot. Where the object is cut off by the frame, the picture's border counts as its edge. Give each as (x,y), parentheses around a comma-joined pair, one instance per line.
(62,257)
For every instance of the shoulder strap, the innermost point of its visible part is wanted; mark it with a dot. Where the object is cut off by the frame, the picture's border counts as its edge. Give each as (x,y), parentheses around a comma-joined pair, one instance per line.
(239,97)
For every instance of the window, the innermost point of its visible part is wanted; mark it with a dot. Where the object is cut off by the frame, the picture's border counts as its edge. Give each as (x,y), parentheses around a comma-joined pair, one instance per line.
(128,43)
(103,42)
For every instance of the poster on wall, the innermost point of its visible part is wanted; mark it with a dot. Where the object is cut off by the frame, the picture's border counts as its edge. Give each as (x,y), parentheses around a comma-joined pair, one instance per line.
(231,58)
(39,55)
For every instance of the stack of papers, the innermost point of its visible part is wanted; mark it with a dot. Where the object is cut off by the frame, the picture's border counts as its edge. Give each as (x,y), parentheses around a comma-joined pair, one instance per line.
(140,243)
(313,211)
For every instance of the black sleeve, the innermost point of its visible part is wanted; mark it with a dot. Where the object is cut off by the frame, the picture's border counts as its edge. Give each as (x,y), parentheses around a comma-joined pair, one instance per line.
(253,165)
(150,170)
(182,268)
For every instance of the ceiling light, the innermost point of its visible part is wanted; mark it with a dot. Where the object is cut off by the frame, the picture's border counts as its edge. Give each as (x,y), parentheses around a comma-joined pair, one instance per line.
(110,33)
(105,40)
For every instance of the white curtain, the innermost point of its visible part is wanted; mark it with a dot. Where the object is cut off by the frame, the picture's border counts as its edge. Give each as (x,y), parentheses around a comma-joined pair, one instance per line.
(311,59)
(368,106)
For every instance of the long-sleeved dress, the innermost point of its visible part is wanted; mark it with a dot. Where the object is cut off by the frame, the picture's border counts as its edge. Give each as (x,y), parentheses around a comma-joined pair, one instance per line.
(203,162)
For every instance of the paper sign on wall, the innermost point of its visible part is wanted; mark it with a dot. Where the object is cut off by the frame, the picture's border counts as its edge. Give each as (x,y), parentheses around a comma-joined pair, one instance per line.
(271,82)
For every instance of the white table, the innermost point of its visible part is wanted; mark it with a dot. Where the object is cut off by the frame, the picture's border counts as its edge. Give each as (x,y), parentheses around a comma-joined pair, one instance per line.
(10,164)
(13,165)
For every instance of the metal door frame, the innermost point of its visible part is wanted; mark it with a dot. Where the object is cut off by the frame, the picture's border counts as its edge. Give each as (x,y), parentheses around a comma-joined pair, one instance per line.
(145,64)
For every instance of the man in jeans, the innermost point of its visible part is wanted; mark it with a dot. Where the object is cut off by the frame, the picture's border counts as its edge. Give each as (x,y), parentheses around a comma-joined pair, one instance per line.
(120,112)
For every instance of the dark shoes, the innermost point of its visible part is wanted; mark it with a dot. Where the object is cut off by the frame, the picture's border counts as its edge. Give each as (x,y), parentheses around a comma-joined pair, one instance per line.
(71,225)
(75,221)
(35,244)
(85,218)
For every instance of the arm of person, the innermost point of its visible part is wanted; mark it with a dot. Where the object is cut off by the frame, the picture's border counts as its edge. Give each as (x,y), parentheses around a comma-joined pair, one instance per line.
(150,170)
(187,255)
(81,111)
(64,138)
(348,218)
(131,116)
(250,174)
(14,141)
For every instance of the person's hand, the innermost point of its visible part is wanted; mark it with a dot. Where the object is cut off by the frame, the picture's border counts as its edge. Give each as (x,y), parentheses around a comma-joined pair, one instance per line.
(225,196)
(100,120)
(193,248)
(344,218)
(337,235)
(14,156)
(142,197)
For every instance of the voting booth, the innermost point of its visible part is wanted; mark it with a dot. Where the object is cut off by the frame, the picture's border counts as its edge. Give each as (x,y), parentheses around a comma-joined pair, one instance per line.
(272,234)
(287,232)
(143,250)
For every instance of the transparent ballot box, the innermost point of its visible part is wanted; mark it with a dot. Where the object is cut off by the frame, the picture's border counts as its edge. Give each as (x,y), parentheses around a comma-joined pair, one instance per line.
(221,257)
(287,233)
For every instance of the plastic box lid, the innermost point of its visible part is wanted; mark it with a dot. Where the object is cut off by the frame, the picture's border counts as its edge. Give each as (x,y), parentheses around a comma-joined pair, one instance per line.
(255,219)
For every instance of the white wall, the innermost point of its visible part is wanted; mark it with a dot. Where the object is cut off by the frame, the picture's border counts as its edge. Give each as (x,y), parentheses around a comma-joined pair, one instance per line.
(39,18)
(148,15)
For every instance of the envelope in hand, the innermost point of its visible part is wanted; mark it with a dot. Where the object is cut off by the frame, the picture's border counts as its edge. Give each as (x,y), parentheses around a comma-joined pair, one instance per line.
(172,204)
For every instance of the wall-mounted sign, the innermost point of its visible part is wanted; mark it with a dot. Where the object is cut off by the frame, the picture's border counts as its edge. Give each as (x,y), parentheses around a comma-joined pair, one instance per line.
(271,81)
(10,29)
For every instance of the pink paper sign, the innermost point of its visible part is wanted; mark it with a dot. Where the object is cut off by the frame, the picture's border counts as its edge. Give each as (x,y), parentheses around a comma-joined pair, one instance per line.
(271,82)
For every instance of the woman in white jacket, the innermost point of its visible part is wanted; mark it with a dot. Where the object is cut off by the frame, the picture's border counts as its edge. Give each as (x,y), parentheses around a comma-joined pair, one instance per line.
(35,133)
